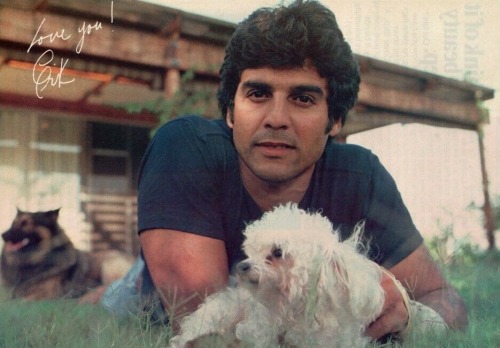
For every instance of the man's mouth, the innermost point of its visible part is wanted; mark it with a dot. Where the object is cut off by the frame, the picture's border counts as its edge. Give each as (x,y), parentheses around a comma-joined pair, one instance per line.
(275,144)
(274,150)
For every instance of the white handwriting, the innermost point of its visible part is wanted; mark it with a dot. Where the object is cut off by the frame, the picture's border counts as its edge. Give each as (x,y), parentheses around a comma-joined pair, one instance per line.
(52,36)
(86,29)
(45,72)
(42,78)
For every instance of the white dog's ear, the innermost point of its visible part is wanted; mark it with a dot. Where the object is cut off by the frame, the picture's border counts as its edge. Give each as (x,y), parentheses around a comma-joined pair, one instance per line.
(350,282)
(361,278)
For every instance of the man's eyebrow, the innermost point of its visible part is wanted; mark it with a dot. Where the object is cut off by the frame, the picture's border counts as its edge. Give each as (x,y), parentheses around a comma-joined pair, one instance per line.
(262,86)
(308,89)
(300,89)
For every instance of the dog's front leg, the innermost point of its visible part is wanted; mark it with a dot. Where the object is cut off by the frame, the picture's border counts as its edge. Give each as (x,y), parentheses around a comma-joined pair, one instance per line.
(259,328)
(217,316)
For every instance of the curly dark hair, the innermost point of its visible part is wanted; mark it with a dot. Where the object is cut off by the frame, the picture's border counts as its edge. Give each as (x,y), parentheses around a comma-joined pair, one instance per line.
(284,37)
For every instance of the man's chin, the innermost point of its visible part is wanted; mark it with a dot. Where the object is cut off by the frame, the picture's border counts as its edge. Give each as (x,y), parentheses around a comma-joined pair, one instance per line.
(275,178)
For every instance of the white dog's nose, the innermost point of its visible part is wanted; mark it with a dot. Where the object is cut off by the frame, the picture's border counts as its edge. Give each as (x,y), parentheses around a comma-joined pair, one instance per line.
(243,267)
(246,273)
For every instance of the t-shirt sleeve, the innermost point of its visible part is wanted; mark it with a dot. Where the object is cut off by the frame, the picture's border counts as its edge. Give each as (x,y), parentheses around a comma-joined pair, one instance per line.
(394,236)
(177,182)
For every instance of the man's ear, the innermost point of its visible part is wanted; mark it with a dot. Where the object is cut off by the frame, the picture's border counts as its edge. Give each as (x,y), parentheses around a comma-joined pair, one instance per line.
(336,127)
(229,118)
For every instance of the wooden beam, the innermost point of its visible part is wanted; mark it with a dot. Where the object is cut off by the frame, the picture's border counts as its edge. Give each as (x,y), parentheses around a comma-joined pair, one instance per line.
(418,104)
(96,90)
(87,110)
(365,119)
(106,41)
(200,56)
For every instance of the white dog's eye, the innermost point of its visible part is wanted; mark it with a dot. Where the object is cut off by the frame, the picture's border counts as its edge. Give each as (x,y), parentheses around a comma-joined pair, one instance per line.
(277,253)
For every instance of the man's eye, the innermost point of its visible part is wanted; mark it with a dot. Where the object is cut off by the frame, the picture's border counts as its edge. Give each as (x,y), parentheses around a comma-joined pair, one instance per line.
(304,100)
(257,94)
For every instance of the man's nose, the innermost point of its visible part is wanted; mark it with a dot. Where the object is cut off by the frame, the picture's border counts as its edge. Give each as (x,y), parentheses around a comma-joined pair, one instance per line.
(278,114)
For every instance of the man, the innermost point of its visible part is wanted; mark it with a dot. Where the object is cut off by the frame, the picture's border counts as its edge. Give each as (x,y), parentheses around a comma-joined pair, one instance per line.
(287,82)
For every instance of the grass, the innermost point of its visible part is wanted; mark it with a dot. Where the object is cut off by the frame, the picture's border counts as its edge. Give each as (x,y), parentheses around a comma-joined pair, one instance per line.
(65,324)
(479,284)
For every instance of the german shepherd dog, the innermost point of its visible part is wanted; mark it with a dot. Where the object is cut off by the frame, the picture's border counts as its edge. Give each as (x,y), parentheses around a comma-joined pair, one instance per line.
(39,261)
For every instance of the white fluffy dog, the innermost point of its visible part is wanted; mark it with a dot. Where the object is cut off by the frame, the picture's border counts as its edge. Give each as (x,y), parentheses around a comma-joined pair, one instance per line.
(299,287)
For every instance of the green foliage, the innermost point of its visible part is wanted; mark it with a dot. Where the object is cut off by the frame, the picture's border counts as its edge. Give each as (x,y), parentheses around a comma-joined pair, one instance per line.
(190,98)
(447,249)
(496,209)
(495,206)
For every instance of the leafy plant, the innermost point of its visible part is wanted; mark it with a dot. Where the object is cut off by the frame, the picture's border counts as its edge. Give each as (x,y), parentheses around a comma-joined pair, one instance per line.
(191,97)
(447,249)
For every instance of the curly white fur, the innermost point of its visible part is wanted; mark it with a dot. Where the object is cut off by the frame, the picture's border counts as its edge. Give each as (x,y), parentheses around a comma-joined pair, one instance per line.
(300,286)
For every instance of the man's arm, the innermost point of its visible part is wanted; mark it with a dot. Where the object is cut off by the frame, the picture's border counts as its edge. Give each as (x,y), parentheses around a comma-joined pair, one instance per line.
(184,267)
(426,284)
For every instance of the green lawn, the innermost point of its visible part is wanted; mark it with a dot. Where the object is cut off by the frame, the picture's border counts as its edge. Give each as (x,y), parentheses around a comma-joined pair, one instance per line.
(65,324)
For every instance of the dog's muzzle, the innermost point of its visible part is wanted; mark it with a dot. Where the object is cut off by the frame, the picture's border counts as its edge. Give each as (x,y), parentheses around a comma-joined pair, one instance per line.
(17,240)
(244,273)
(243,267)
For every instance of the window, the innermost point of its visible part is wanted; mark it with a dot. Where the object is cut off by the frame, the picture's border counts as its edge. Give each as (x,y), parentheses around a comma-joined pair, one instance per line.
(115,157)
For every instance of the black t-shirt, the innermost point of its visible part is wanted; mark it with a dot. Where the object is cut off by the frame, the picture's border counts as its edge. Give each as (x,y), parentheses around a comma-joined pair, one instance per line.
(190,181)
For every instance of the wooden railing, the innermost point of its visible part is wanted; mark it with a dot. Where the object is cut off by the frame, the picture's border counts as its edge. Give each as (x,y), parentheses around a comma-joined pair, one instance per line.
(113,220)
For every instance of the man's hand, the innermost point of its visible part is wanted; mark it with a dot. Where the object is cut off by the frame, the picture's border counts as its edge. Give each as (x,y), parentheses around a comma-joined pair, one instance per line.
(394,317)
(427,286)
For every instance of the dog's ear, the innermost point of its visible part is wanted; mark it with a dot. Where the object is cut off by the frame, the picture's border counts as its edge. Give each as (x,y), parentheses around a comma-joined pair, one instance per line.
(327,294)
(348,284)
(54,213)
(361,278)
(51,216)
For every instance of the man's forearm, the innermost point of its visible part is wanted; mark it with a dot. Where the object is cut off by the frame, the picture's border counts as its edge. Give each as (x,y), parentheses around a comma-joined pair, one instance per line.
(448,304)
(178,303)
(184,267)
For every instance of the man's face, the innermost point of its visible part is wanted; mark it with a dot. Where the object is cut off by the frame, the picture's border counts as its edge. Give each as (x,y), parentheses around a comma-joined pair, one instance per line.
(279,121)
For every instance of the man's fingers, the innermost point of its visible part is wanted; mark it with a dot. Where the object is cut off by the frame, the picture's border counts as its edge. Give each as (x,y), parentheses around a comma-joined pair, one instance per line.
(394,317)
(378,328)
(391,321)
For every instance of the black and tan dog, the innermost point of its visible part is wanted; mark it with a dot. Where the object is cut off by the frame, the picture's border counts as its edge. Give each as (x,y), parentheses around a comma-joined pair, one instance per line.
(39,261)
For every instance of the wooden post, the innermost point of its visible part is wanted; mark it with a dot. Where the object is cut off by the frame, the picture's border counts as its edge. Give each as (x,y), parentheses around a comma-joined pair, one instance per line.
(173,74)
(172,82)
(489,219)
(341,138)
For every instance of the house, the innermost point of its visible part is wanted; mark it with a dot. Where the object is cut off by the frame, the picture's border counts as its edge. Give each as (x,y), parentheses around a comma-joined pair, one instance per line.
(68,68)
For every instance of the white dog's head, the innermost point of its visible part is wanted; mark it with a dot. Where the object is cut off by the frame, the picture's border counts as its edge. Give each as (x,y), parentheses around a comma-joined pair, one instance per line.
(298,267)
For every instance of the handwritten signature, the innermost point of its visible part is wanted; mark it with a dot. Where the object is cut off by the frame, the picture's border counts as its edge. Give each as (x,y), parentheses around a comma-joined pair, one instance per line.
(44,69)
(42,73)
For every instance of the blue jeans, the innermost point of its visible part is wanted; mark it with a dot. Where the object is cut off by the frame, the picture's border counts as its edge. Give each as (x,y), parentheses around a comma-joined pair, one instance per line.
(123,298)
